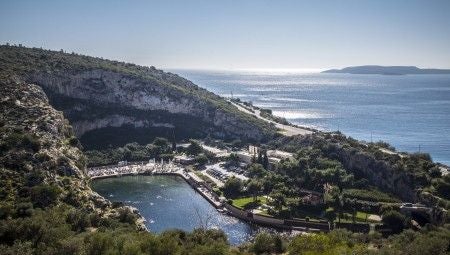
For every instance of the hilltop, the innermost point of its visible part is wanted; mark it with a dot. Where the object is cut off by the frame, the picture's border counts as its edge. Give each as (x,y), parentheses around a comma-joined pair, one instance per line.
(387,70)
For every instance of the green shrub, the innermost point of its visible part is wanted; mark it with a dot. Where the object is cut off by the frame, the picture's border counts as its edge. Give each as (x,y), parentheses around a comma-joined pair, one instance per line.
(265,243)
(394,220)
(44,195)
(24,209)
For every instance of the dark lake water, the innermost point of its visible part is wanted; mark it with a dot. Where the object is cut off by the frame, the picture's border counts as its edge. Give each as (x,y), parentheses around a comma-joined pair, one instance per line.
(411,112)
(168,202)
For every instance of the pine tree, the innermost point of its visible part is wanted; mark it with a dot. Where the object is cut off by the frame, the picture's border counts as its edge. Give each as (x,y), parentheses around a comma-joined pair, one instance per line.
(265,161)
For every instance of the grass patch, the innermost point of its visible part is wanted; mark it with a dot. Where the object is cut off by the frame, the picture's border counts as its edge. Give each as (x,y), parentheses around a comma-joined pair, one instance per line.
(248,203)
(359,217)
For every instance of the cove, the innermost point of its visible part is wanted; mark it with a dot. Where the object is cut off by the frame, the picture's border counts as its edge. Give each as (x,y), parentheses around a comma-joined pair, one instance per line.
(168,202)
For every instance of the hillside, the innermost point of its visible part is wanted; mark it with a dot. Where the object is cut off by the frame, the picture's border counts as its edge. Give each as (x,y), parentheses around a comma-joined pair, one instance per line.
(47,206)
(387,70)
(112,103)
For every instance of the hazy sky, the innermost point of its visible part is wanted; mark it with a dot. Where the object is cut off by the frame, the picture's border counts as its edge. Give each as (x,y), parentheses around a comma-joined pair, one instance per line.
(237,34)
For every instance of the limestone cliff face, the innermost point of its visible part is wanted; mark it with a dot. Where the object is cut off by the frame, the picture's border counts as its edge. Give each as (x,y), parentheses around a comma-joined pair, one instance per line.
(93,99)
(97,94)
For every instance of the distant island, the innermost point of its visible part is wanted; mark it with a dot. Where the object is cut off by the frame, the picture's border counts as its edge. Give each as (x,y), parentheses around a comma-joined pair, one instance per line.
(387,70)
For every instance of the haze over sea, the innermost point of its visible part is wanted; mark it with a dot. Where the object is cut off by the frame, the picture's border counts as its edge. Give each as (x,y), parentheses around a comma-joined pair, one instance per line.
(411,112)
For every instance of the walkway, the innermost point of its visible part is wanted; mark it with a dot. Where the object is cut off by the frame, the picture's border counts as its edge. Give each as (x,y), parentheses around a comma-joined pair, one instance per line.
(134,169)
(285,129)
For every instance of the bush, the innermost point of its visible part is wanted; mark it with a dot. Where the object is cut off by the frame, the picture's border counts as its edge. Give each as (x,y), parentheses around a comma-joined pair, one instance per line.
(78,220)
(394,220)
(201,159)
(265,243)
(126,215)
(24,209)
(44,195)
(232,187)
(194,148)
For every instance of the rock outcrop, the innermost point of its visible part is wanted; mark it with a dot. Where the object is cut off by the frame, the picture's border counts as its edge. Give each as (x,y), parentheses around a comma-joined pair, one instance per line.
(38,149)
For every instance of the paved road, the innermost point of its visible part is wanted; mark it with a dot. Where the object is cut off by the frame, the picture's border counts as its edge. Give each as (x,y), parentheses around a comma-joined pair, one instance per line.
(285,129)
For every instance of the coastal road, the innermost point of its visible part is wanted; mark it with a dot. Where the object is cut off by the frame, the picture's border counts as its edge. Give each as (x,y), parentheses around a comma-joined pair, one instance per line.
(284,129)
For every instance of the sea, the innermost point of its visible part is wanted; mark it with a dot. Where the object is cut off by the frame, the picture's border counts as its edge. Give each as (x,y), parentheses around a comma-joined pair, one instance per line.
(410,112)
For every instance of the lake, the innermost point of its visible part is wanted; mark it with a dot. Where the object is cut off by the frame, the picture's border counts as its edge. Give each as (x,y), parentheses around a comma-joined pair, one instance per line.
(411,112)
(168,202)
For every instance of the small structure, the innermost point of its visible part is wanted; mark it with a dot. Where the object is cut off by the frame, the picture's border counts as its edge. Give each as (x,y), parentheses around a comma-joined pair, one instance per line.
(122,163)
(274,156)
(183,159)
(420,212)
(280,154)
(245,156)
(218,153)
(311,197)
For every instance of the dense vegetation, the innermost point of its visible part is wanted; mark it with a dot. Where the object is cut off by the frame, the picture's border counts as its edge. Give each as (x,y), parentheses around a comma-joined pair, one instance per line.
(413,177)
(160,148)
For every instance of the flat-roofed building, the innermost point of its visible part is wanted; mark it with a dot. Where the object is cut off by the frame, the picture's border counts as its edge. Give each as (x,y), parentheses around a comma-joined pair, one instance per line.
(183,159)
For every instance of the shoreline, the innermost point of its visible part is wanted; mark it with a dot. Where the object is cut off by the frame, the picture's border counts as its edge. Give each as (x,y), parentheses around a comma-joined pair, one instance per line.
(212,198)
(206,192)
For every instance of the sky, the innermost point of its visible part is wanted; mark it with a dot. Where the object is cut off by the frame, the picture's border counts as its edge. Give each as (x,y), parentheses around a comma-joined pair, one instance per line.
(208,34)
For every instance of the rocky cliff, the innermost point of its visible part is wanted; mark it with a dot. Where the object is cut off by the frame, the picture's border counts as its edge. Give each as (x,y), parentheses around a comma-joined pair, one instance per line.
(37,142)
(41,164)
(95,94)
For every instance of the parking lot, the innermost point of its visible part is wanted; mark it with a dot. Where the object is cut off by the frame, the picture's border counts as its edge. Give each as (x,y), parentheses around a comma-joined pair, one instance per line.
(219,172)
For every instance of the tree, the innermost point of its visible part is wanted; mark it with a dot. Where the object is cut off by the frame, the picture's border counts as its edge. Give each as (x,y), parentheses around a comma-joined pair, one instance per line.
(278,200)
(353,205)
(366,208)
(394,220)
(194,148)
(338,202)
(232,187)
(254,187)
(162,145)
(174,146)
(265,160)
(256,170)
(330,214)
(233,159)
(201,159)
(259,160)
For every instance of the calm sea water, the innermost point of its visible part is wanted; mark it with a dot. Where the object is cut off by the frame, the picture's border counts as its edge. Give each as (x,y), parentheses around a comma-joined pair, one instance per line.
(168,202)
(411,112)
